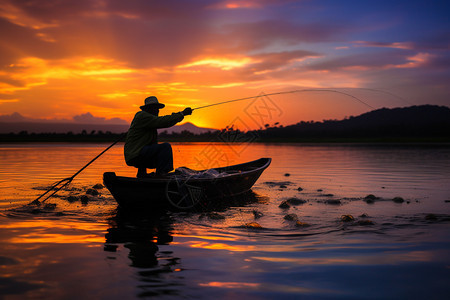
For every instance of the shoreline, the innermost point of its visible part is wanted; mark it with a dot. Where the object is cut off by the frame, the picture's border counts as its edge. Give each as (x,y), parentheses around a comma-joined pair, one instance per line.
(370,141)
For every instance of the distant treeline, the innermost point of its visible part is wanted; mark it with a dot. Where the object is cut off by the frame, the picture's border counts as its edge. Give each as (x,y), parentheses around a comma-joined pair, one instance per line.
(98,137)
(426,123)
(93,136)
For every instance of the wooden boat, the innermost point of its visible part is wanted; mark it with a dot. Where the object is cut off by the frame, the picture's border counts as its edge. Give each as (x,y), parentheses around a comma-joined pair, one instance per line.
(183,191)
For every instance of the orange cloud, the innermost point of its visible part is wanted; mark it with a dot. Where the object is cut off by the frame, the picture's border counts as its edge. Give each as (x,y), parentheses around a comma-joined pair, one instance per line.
(222,63)
(415,61)
(394,45)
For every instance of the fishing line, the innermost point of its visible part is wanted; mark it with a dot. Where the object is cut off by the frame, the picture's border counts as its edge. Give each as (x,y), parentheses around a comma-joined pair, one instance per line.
(287,92)
(387,93)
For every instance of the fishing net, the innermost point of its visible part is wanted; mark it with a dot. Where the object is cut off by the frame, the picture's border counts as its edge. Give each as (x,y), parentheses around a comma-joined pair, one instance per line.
(210,173)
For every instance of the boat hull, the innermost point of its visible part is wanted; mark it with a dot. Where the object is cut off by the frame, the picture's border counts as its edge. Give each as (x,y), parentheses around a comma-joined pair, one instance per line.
(181,192)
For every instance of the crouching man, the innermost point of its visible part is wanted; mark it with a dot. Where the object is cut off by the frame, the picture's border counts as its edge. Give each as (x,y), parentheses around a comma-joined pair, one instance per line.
(141,145)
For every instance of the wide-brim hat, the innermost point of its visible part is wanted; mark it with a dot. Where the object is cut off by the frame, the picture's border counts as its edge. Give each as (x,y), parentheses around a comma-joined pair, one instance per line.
(152,101)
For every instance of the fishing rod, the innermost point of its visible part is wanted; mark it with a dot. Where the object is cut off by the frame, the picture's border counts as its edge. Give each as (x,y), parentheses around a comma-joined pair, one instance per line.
(286,92)
(62,183)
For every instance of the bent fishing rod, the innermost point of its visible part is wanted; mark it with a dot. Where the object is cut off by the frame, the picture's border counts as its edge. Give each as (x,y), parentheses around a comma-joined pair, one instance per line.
(283,93)
(64,182)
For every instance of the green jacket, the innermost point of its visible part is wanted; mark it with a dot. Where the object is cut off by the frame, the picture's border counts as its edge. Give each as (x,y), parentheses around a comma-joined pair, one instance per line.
(143,132)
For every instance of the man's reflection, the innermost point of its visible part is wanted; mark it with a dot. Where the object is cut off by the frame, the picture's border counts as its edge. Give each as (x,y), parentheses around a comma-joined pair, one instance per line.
(141,234)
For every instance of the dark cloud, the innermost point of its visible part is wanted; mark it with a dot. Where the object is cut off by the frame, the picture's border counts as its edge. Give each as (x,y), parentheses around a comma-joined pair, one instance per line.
(54,11)
(158,44)
(11,81)
(146,33)
(156,10)
(7,96)
(398,45)
(18,42)
(370,60)
(275,60)
(436,40)
(439,61)
(255,35)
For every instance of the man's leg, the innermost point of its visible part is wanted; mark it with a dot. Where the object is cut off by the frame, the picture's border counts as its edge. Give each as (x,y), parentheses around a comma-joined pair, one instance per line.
(146,159)
(164,162)
(142,172)
(157,156)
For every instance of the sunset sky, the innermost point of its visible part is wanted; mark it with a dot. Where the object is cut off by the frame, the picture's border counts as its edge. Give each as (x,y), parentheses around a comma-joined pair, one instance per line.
(90,60)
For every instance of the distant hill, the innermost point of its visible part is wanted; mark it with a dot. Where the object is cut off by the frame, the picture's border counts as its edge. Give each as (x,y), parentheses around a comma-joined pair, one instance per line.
(187,127)
(414,121)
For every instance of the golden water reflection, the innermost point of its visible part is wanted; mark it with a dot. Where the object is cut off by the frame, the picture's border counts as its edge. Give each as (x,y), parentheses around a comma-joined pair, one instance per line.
(344,171)
(267,287)
(221,246)
(108,254)
(63,231)
(231,285)
(386,258)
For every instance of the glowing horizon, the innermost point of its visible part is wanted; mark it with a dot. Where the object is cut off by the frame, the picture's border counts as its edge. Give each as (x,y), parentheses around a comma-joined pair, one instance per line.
(67,59)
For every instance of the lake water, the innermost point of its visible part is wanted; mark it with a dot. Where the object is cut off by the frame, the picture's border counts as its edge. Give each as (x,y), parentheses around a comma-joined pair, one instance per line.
(390,251)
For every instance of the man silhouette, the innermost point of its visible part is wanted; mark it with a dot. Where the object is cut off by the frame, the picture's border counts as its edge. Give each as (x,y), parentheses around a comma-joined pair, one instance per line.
(141,148)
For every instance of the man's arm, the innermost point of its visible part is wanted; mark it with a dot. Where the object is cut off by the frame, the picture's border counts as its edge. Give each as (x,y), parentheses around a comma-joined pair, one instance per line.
(169,120)
(151,121)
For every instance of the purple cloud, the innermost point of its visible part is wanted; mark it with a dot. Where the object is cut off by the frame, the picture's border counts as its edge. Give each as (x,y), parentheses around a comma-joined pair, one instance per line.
(14,117)
(88,118)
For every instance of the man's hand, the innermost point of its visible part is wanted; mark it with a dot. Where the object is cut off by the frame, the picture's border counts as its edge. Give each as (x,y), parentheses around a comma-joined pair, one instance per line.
(187,111)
